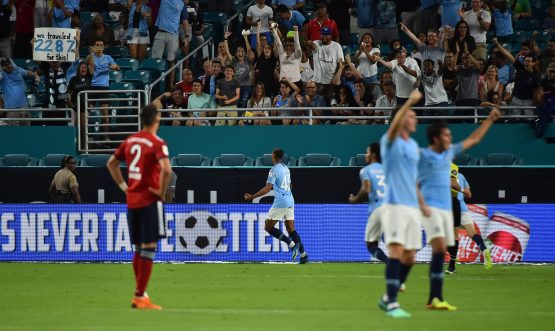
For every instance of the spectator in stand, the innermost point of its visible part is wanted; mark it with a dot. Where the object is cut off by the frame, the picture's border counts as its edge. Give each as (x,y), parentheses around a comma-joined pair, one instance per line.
(449,76)
(173,100)
(527,89)
(345,99)
(478,21)
(346,75)
(460,38)
(491,84)
(138,39)
(434,92)
(546,55)
(264,70)
(118,5)
(449,12)
(387,100)
(366,62)
(546,110)
(196,21)
(78,83)
(405,71)
(291,4)
(207,67)
(12,85)
(172,13)
(504,71)
(61,15)
(549,22)
(493,100)
(428,18)
(94,5)
(100,65)
(503,20)
(210,86)
(326,54)
(42,8)
(363,97)
(259,13)
(242,69)
(321,20)
(24,29)
(339,12)
(224,57)
(286,99)
(307,73)
(290,56)
(120,32)
(154,6)
(261,39)
(258,100)
(98,30)
(287,18)
(200,100)
(311,99)
(394,45)
(228,93)
(467,81)
(186,84)
(521,8)
(431,51)
(56,88)
(385,29)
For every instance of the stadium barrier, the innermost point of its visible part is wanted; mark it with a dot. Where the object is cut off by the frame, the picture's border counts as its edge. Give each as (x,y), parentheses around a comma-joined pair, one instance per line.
(35,115)
(224,232)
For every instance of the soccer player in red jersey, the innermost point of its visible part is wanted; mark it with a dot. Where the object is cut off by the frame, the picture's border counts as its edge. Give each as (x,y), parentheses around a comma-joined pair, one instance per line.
(149,173)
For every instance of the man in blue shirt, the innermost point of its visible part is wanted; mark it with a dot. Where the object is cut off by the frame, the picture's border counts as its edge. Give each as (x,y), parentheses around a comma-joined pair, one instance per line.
(400,212)
(279,179)
(433,176)
(461,189)
(372,186)
(12,84)
(288,18)
(61,15)
(170,15)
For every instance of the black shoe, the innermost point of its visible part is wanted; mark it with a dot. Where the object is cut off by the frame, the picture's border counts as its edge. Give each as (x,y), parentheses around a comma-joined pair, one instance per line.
(304,259)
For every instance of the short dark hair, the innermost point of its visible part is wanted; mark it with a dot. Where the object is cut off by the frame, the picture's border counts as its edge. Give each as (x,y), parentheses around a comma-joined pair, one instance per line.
(388,82)
(282,9)
(434,130)
(196,80)
(359,80)
(429,61)
(278,153)
(229,67)
(176,88)
(433,31)
(375,149)
(98,38)
(148,115)
(65,161)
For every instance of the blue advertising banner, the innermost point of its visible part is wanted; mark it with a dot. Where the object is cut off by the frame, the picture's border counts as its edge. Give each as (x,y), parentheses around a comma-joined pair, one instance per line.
(235,232)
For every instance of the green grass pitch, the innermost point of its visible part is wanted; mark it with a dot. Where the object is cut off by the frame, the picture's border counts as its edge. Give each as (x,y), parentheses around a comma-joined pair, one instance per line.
(267,297)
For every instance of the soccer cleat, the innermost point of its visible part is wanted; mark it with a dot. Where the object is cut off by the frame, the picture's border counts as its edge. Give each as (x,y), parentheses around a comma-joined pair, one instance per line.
(450,271)
(295,251)
(487,259)
(437,304)
(402,288)
(398,313)
(143,303)
(303,259)
(383,303)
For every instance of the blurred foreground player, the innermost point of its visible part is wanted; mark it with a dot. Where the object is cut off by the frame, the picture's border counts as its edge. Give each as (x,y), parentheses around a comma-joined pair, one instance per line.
(279,178)
(372,182)
(149,175)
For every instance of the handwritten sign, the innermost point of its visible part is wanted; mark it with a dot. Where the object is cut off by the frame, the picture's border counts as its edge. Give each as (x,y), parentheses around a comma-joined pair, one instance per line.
(54,44)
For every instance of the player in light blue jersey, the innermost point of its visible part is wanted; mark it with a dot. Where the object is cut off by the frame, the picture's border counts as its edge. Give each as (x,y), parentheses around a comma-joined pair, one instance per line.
(435,187)
(279,179)
(372,180)
(400,214)
(461,188)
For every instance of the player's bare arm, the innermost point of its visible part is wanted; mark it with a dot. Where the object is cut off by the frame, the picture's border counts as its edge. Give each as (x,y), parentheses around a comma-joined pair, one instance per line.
(165,176)
(115,172)
(263,191)
(363,192)
(477,135)
(397,123)
(424,208)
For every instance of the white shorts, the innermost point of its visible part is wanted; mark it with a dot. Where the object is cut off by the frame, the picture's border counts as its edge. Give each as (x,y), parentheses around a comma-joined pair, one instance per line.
(401,225)
(440,224)
(165,42)
(136,38)
(373,226)
(466,219)
(280,214)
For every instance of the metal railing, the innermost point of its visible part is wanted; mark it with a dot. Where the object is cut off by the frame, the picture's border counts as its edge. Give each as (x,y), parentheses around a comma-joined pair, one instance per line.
(35,115)
(237,14)
(179,64)
(107,130)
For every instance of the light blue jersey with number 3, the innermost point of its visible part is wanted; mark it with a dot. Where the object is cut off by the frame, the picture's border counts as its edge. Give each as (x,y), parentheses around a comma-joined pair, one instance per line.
(280,178)
(374,174)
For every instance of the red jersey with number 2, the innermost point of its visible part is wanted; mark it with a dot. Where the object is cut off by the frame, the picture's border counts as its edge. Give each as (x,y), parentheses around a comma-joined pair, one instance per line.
(141,152)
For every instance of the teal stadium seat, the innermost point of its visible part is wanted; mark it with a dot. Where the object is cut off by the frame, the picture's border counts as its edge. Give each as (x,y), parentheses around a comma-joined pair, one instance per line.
(544,36)
(51,160)
(26,64)
(232,160)
(117,52)
(86,17)
(115,76)
(140,78)
(94,160)
(385,49)
(266,161)
(190,160)
(521,36)
(126,64)
(499,159)
(319,160)
(17,160)
(464,159)
(358,161)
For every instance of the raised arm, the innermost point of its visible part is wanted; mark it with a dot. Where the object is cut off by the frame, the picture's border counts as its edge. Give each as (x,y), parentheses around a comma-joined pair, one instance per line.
(296,40)
(250,53)
(226,48)
(476,136)
(503,51)
(411,35)
(277,41)
(388,65)
(399,118)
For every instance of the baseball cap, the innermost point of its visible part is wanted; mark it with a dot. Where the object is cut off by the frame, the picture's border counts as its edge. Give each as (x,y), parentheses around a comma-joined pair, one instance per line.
(325,31)
(551,67)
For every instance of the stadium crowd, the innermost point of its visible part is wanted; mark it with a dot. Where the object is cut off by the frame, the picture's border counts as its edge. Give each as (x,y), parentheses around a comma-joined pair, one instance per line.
(294,53)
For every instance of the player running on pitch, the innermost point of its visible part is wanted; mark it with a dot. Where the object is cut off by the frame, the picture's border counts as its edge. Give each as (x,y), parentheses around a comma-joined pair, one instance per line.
(461,189)
(435,187)
(372,181)
(279,179)
(149,175)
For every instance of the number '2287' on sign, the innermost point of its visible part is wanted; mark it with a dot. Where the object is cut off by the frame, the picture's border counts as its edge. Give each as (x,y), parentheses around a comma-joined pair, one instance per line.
(48,45)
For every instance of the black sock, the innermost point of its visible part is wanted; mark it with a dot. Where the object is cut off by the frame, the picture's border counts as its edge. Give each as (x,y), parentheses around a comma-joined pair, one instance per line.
(404,272)
(392,279)
(295,237)
(377,253)
(436,276)
(478,239)
(453,254)
(276,233)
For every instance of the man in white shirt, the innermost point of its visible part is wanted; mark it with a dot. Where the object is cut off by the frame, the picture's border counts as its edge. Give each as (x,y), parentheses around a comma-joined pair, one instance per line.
(326,55)
(388,100)
(405,71)
(259,12)
(478,21)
